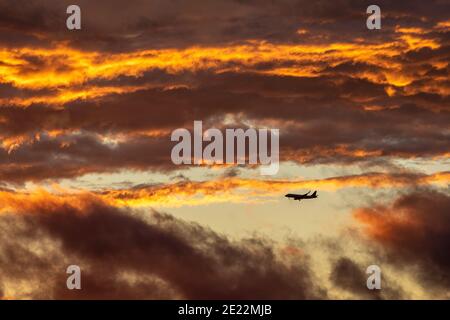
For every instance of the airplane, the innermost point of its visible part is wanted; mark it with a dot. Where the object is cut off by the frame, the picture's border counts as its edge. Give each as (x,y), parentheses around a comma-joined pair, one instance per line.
(301,197)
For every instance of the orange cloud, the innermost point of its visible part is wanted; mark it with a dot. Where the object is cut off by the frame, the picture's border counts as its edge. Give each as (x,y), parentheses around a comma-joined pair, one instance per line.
(63,67)
(41,200)
(204,192)
(247,190)
(413,230)
(63,96)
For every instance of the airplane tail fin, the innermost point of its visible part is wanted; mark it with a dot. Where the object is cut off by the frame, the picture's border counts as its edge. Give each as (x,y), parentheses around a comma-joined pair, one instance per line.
(314,194)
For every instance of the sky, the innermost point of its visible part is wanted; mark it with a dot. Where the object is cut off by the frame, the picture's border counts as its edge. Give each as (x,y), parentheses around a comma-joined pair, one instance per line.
(86,176)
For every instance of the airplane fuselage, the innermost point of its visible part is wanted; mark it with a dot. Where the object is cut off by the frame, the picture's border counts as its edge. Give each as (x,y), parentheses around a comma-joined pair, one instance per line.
(301,196)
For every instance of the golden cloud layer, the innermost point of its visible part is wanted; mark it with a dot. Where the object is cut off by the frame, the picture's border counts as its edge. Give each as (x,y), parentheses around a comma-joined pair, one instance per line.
(248,190)
(213,191)
(63,67)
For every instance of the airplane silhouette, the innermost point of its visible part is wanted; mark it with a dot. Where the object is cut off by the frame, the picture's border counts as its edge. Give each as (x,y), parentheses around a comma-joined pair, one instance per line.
(300,197)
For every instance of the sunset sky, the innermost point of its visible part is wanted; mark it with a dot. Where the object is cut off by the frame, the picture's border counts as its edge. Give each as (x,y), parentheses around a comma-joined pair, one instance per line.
(86,176)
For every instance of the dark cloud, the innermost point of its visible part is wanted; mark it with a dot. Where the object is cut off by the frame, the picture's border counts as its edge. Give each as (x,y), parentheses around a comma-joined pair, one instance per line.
(68,157)
(341,114)
(118,26)
(168,257)
(319,121)
(351,276)
(127,254)
(414,233)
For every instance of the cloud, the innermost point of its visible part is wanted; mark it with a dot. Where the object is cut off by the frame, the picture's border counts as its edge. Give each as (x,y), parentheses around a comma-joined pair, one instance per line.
(338,94)
(67,157)
(128,254)
(414,234)
(234,189)
(230,189)
(106,98)
(348,275)
(123,255)
(140,123)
